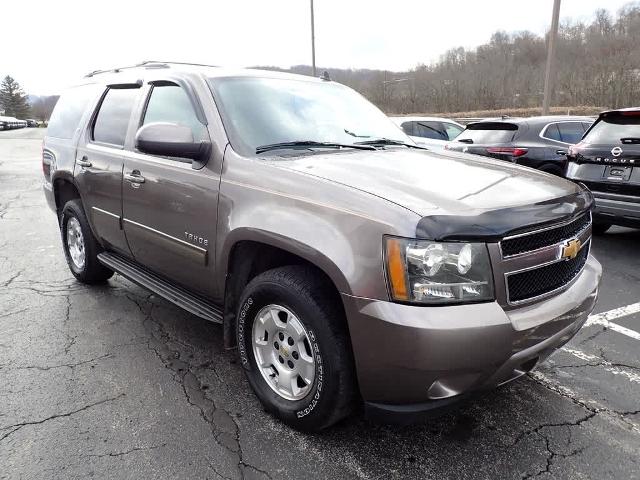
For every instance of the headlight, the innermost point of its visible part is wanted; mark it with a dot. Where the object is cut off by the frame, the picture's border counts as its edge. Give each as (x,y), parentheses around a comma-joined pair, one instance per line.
(424,271)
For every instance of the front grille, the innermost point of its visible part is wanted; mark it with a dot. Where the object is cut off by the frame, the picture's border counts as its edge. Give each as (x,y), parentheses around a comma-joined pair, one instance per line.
(539,281)
(534,241)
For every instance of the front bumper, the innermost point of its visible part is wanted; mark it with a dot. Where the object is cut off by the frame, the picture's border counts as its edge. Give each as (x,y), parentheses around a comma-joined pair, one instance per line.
(617,209)
(412,359)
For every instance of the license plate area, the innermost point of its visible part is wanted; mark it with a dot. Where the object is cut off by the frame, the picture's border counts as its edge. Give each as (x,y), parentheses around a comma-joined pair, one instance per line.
(617,173)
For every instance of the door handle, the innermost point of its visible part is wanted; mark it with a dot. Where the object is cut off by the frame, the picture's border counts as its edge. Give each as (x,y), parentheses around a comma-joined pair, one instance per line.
(561,152)
(134,177)
(84,162)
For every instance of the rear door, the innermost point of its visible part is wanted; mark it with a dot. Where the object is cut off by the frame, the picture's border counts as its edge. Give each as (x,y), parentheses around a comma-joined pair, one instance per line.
(99,161)
(170,207)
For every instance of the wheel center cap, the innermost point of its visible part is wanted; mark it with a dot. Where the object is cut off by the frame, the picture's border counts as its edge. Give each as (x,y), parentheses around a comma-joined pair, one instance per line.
(284,351)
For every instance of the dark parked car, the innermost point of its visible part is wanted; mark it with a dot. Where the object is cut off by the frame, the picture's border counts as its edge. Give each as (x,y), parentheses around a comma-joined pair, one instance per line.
(607,160)
(31,123)
(537,142)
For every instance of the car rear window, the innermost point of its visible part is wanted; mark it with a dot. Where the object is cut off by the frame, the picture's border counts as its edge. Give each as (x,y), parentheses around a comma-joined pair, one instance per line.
(488,132)
(613,128)
(69,109)
(113,117)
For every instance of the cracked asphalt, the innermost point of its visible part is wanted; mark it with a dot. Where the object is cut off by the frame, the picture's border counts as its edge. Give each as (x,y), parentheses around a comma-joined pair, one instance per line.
(113,382)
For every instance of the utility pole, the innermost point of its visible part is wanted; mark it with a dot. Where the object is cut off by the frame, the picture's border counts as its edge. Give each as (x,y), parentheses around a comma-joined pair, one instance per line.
(551,58)
(313,43)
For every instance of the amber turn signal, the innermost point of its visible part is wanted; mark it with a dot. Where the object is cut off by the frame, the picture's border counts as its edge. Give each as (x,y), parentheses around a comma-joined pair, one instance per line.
(396,270)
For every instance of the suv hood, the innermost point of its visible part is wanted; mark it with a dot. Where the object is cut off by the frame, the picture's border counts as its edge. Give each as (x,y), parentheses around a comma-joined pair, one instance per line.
(435,184)
(427,182)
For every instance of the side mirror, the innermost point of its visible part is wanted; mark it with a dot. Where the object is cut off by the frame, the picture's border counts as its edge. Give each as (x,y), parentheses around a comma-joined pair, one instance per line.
(172,140)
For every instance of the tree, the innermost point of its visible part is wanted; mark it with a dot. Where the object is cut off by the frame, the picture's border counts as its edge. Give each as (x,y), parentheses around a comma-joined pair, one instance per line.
(41,107)
(13,99)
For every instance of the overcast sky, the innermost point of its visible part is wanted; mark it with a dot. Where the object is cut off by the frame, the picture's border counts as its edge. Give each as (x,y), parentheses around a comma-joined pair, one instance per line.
(58,41)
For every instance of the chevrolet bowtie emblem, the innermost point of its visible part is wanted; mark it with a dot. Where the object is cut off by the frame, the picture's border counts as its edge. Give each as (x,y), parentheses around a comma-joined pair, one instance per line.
(571,248)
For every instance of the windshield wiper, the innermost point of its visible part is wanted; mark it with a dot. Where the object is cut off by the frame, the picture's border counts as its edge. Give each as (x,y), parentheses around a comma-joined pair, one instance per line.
(309,144)
(630,140)
(387,141)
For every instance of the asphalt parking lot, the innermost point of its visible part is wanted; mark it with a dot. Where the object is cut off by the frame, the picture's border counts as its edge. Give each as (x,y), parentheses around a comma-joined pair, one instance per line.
(112,382)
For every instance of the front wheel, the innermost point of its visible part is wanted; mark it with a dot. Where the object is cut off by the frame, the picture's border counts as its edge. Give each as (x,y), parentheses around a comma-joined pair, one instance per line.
(294,347)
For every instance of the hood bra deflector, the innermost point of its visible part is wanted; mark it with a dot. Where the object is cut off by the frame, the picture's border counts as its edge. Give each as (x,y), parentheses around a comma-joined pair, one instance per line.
(493,225)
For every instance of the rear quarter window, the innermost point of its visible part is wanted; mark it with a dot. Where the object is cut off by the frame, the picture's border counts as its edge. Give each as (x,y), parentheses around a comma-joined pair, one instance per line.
(68,112)
(488,132)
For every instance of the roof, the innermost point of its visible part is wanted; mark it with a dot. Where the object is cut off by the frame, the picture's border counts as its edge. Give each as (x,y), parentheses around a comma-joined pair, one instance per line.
(399,119)
(619,110)
(537,120)
(202,69)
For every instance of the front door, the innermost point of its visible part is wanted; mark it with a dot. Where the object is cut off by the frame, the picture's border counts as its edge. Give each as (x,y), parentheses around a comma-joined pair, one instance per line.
(170,208)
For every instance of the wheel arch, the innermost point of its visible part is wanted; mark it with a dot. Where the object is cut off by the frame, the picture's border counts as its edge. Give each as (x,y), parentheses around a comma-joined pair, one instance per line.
(246,256)
(64,189)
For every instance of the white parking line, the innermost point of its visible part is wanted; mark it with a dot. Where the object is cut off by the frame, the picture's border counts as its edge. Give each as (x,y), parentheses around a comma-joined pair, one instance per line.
(600,362)
(604,319)
(590,404)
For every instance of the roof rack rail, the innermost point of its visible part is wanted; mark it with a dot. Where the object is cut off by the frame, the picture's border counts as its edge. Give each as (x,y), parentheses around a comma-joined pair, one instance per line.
(147,64)
(178,63)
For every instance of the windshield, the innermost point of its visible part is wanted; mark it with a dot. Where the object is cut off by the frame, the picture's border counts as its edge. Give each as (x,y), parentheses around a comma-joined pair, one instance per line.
(265,111)
(612,130)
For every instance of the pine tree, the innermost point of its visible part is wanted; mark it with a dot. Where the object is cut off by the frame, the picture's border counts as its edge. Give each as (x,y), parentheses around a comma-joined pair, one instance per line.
(13,100)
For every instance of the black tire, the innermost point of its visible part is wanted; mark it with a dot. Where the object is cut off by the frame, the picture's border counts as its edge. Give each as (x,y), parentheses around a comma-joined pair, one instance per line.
(303,291)
(92,271)
(600,228)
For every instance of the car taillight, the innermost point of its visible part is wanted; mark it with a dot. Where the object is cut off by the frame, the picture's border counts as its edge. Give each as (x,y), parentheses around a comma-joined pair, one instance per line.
(46,163)
(513,151)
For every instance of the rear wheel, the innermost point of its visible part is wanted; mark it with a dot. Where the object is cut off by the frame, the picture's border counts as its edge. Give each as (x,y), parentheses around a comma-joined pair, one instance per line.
(80,247)
(294,346)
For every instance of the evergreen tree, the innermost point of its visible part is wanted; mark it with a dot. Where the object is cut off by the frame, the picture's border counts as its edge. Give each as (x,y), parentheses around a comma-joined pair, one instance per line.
(13,100)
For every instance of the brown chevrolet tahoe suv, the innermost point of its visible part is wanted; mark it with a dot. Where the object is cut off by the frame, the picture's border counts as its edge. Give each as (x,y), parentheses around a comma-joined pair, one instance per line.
(347,265)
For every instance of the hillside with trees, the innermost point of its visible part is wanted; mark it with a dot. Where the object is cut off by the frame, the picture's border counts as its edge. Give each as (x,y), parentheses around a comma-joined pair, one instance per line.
(598,65)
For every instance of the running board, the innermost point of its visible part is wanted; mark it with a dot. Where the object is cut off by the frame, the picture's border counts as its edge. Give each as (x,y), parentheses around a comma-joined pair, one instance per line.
(162,287)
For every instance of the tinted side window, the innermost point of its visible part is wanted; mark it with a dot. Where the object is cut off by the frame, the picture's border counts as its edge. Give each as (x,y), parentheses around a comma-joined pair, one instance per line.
(433,130)
(112,120)
(453,130)
(170,103)
(407,127)
(571,132)
(552,133)
(68,111)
